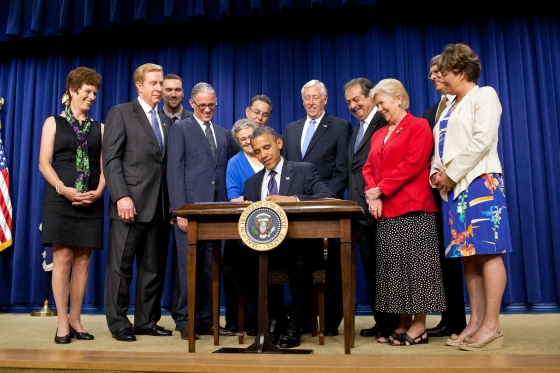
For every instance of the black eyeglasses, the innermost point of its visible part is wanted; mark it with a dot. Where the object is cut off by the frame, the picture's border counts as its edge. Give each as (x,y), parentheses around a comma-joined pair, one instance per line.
(257,113)
(211,106)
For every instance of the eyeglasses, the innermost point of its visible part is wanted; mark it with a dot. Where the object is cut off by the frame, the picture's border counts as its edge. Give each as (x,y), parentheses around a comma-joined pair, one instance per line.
(432,73)
(243,139)
(210,106)
(258,112)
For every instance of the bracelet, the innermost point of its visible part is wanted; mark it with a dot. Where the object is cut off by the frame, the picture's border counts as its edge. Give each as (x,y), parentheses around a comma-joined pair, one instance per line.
(58,184)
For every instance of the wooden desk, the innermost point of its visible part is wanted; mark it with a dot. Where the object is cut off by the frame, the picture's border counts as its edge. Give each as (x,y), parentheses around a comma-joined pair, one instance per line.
(315,219)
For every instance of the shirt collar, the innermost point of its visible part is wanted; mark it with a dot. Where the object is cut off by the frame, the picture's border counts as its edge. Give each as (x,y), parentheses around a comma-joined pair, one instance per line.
(145,106)
(177,114)
(318,120)
(278,167)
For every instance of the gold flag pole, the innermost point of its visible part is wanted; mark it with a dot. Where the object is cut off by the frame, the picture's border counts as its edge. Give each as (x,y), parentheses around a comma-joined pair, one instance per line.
(46,310)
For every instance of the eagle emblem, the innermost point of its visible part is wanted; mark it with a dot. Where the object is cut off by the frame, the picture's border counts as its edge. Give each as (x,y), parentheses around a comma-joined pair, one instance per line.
(263,222)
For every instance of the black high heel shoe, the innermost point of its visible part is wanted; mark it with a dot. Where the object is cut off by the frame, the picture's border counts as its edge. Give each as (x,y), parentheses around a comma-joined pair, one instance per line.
(62,340)
(85,336)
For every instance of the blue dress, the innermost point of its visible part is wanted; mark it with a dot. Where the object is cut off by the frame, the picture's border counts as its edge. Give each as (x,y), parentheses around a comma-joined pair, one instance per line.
(238,170)
(476,222)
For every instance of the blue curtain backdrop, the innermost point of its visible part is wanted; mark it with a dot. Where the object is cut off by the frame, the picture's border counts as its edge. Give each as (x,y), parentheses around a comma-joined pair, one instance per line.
(274,47)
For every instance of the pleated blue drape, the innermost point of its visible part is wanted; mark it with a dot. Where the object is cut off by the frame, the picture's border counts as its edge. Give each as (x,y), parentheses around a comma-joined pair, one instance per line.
(276,55)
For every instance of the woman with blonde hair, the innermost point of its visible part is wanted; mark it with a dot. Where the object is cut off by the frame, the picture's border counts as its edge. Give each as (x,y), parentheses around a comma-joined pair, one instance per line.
(399,196)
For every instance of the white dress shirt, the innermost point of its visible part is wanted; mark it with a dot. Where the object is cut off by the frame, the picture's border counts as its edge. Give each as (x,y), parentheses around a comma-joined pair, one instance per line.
(147,108)
(264,187)
(306,125)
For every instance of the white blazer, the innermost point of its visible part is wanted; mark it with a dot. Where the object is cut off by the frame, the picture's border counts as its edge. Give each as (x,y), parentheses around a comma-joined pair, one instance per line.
(471,140)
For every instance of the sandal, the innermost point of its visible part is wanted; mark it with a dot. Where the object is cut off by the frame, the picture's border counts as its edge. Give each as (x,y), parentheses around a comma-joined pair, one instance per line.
(405,338)
(455,341)
(393,335)
(495,342)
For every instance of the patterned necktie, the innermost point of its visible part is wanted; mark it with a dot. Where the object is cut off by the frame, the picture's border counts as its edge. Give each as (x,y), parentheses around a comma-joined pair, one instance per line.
(441,107)
(174,119)
(359,136)
(155,127)
(308,136)
(210,138)
(272,186)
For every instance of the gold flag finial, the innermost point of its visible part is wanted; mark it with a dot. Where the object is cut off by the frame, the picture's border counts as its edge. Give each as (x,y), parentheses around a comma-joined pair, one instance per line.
(65,99)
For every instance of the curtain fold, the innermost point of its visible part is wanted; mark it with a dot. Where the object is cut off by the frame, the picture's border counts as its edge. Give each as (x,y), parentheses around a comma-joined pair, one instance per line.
(276,55)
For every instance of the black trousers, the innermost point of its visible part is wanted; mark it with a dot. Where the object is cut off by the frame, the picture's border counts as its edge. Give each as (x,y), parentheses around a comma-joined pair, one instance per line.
(366,238)
(299,258)
(147,242)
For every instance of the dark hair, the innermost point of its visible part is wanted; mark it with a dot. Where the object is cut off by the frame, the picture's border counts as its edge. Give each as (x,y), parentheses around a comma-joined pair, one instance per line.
(365,85)
(458,58)
(264,130)
(262,98)
(80,76)
(173,76)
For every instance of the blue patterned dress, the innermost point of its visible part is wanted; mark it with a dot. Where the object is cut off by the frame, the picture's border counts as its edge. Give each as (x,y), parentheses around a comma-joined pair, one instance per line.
(476,222)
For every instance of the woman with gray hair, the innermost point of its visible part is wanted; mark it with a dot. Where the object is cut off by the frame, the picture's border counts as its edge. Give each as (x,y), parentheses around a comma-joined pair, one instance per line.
(400,198)
(244,164)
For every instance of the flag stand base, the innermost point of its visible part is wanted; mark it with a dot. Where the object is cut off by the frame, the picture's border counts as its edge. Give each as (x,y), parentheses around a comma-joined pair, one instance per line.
(44,311)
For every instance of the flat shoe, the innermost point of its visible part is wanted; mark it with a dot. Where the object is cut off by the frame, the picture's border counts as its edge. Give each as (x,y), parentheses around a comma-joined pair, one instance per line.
(495,342)
(455,341)
(393,335)
(65,339)
(85,336)
(405,338)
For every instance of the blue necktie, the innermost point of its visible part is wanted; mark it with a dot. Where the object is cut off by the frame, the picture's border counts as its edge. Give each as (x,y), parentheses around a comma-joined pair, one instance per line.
(308,136)
(155,127)
(359,136)
(272,186)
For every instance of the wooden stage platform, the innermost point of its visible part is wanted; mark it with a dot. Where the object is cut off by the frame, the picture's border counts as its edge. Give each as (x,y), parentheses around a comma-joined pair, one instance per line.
(22,360)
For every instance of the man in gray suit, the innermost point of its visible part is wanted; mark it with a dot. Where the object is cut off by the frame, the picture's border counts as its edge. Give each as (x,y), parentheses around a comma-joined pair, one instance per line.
(134,164)
(173,94)
(199,150)
(363,108)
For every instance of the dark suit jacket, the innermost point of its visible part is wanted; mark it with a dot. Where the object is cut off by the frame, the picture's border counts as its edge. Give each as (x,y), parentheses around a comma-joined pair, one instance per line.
(184,115)
(132,162)
(356,161)
(299,179)
(192,174)
(430,115)
(327,150)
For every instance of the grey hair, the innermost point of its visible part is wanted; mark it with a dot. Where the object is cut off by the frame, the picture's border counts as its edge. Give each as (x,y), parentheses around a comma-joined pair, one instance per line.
(242,124)
(202,87)
(264,130)
(391,88)
(313,82)
(435,60)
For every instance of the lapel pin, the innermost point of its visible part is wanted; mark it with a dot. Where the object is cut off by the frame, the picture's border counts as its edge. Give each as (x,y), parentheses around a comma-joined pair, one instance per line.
(287,178)
(324,125)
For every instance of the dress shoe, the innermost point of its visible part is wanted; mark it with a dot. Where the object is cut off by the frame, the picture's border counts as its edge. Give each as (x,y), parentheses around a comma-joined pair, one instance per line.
(155,330)
(494,342)
(221,332)
(124,335)
(275,329)
(65,339)
(252,333)
(439,331)
(292,337)
(185,333)
(374,331)
(232,327)
(85,336)
(330,331)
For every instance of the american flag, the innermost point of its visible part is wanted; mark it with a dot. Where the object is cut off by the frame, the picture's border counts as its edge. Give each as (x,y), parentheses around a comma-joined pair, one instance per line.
(5,202)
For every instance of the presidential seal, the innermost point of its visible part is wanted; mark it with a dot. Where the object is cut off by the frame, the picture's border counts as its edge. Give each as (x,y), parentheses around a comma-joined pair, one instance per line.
(263,225)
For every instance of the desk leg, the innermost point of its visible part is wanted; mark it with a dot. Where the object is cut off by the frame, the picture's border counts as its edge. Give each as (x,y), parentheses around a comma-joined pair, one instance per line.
(191,281)
(347,261)
(353,292)
(216,254)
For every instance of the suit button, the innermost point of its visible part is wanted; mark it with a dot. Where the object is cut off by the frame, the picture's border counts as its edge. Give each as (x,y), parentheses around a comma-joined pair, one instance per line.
(212,182)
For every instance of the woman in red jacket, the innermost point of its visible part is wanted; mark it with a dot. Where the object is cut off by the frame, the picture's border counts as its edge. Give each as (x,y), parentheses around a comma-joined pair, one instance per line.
(399,196)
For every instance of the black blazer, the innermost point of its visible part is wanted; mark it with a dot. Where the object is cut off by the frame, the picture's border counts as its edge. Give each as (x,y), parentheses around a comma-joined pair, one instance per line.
(357,161)
(299,179)
(430,114)
(132,162)
(184,115)
(327,150)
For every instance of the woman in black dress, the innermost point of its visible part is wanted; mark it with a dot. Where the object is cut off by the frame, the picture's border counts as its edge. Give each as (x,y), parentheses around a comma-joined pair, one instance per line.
(70,161)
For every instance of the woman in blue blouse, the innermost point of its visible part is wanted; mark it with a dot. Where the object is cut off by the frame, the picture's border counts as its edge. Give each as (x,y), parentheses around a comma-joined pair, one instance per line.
(244,164)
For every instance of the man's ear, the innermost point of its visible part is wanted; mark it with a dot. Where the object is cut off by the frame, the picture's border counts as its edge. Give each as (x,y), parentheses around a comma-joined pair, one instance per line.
(280,142)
